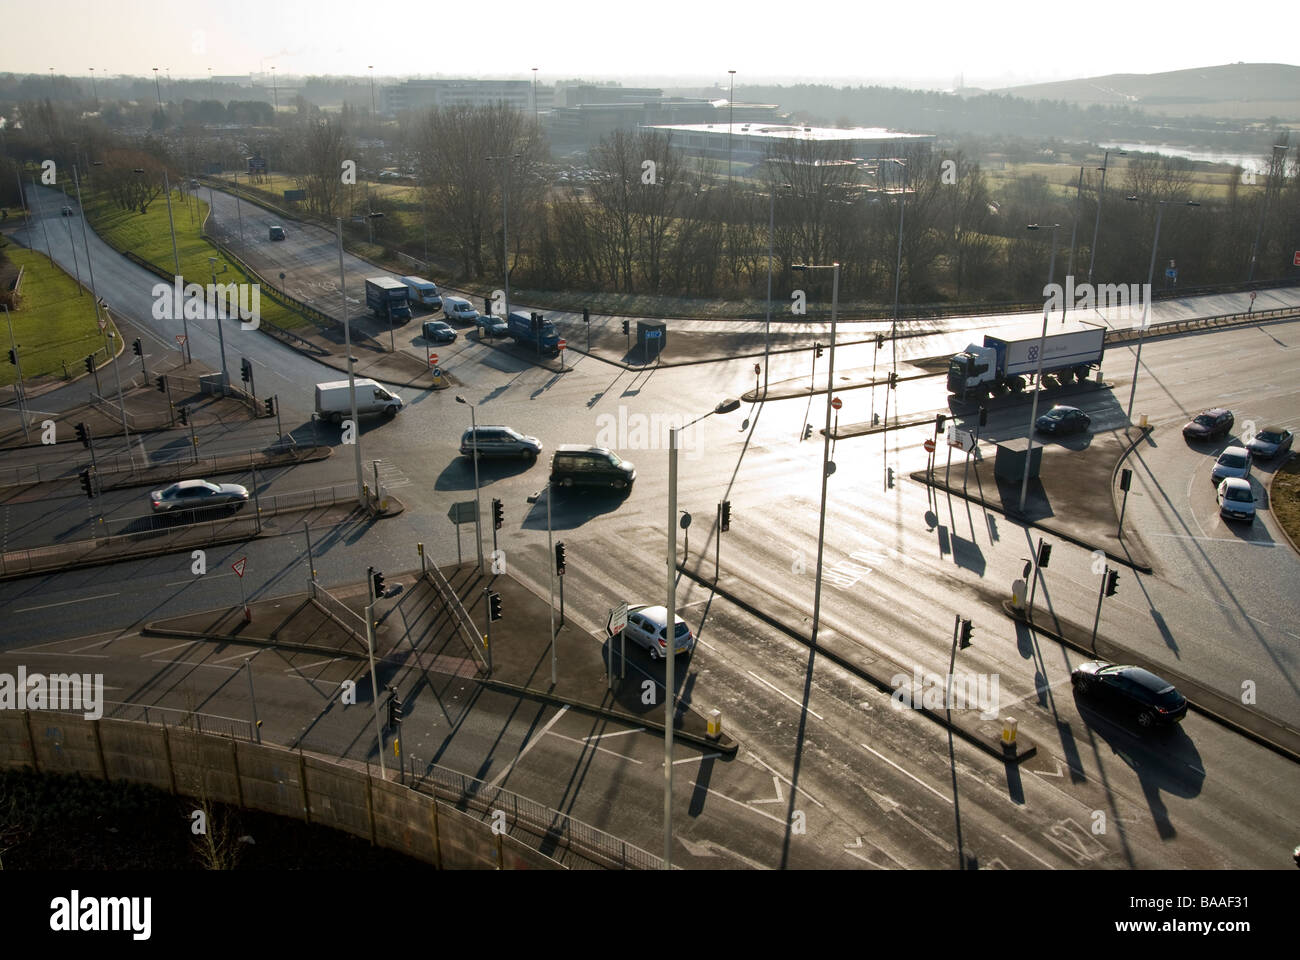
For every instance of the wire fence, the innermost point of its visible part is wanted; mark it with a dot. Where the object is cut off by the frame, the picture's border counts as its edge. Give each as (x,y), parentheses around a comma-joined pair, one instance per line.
(469,633)
(338,611)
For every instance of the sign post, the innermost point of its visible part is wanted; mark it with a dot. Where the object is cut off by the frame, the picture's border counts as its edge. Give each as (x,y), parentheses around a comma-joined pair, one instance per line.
(238,566)
(462,511)
(561,347)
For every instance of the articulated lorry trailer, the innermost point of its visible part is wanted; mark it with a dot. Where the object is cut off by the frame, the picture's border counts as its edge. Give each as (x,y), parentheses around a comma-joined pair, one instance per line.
(1006,366)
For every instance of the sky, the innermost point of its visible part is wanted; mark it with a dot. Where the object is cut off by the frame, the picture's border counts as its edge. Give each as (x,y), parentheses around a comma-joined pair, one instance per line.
(934,44)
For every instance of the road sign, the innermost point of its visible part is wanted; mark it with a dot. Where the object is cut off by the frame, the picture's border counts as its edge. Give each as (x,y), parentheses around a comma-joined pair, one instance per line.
(929,445)
(461,512)
(433,359)
(238,566)
(102,324)
(1252,296)
(562,344)
(1295,260)
(757,369)
(1171,273)
(963,440)
(180,338)
(837,403)
(653,334)
(618,618)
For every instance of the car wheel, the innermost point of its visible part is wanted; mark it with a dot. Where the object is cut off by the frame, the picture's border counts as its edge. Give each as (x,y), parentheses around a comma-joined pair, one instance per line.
(1146,719)
(1082,684)
(1017,384)
(336,418)
(567,482)
(390,412)
(530,456)
(654,651)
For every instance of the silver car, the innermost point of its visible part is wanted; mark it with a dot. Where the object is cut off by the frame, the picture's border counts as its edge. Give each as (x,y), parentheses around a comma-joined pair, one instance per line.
(1233,462)
(1236,500)
(647,626)
(499,442)
(192,494)
(1270,442)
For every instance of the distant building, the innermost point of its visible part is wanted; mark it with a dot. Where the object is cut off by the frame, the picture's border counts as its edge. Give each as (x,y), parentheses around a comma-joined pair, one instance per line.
(585,123)
(750,141)
(422,94)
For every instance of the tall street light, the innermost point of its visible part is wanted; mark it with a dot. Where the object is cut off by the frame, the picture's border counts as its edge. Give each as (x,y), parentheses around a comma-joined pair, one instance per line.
(478,503)
(1101,195)
(536,114)
(670,620)
(347,345)
(505,206)
(371,68)
(828,467)
(1038,374)
(221,336)
(157,89)
(275,91)
(898,267)
(731,108)
(1263,209)
(1146,309)
(93,90)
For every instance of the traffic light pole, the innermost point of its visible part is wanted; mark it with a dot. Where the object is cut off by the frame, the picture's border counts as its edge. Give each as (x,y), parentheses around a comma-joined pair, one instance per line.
(1033,587)
(374,679)
(18,386)
(1100,593)
(717,546)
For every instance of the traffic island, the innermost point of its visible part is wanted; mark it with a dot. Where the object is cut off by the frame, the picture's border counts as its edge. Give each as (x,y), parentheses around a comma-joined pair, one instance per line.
(1072,497)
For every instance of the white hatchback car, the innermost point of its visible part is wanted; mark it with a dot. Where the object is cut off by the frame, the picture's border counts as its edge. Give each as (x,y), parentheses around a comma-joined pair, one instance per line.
(647,626)
(1233,462)
(1236,500)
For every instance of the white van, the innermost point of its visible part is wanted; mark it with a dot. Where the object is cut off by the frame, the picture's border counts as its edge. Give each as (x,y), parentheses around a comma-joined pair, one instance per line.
(424,292)
(334,402)
(459,310)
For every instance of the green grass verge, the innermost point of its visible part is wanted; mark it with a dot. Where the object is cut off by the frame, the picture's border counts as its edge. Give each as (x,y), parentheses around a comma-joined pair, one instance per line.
(54,326)
(148,236)
(1284,497)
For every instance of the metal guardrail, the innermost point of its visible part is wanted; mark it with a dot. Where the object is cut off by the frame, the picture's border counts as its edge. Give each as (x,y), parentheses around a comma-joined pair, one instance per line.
(1202,323)
(469,632)
(338,611)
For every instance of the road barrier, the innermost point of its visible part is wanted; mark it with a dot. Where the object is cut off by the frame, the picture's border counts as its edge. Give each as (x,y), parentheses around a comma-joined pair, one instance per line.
(338,611)
(468,631)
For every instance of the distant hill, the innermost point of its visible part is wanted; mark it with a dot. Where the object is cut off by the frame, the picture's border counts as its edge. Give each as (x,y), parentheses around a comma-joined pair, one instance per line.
(1240,90)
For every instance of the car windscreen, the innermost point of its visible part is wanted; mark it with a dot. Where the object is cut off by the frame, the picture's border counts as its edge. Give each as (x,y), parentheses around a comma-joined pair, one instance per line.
(1240,495)
(1269,437)
(614,458)
(682,631)
(1232,460)
(1204,420)
(1056,414)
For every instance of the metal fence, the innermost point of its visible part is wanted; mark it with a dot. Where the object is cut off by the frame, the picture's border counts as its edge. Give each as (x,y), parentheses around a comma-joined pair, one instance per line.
(469,632)
(338,611)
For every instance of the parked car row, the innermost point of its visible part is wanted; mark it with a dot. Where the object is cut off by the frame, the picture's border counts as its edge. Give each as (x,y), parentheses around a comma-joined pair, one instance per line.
(1231,471)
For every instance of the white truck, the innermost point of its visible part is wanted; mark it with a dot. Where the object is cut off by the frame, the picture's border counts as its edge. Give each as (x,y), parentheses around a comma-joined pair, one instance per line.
(424,292)
(1002,366)
(334,403)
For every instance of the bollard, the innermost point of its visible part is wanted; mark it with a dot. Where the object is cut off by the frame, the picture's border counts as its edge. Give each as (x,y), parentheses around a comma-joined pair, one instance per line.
(1142,422)
(1009,731)
(715,723)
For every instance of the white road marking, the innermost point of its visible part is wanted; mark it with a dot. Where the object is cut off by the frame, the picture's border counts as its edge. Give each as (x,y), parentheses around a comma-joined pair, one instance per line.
(195,663)
(528,746)
(1027,852)
(620,733)
(706,756)
(621,756)
(859,856)
(785,780)
(174,646)
(740,803)
(945,799)
(64,603)
(784,694)
(1208,539)
(304,666)
(196,579)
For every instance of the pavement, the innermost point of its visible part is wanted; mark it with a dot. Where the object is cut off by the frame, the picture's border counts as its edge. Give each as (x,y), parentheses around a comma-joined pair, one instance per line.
(412,623)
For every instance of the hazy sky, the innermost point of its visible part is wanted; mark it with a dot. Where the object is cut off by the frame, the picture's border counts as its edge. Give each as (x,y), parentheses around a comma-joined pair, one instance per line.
(991,44)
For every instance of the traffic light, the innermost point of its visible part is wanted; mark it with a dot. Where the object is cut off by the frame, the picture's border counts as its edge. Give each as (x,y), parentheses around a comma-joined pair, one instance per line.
(726,514)
(245,369)
(586,315)
(984,416)
(162,383)
(137,347)
(83,434)
(1044,554)
(559,559)
(627,327)
(807,430)
(880,340)
(13,357)
(494,606)
(537,324)
(965,633)
(269,404)
(939,420)
(87,483)
(90,363)
(817,351)
(1125,478)
(378,579)
(889,477)
(498,514)
(394,710)
(1112,576)
(893,380)
(184,413)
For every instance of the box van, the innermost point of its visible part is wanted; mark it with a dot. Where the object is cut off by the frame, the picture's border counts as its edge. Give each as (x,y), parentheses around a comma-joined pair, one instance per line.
(277,232)
(424,292)
(334,402)
(575,465)
(459,310)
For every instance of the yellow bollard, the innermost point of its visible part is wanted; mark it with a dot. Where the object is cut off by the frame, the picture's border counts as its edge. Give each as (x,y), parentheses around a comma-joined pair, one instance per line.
(715,723)
(1009,730)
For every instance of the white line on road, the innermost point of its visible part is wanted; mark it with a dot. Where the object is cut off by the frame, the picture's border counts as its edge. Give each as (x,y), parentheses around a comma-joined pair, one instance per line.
(528,746)
(195,663)
(174,646)
(785,780)
(784,694)
(621,756)
(64,603)
(305,666)
(206,578)
(741,803)
(910,774)
(1027,853)
(620,733)
(1188,536)
(707,756)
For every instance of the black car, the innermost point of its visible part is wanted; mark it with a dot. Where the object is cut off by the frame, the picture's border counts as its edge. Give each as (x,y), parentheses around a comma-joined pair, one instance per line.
(1270,442)
(1216,422)
(439,332)
(1062,419)
(1151,699)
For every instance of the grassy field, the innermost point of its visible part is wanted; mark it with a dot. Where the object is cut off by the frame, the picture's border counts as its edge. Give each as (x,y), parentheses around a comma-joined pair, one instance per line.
(149,237)
(1285,495)
(54,326)
(1062,177)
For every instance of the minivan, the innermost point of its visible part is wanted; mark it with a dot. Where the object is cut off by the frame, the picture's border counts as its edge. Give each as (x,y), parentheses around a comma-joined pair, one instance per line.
(576,465)
(277,232)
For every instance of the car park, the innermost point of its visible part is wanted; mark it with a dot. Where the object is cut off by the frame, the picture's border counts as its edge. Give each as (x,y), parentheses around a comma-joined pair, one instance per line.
(1209,424)
(1152,700)
(1236,499)
(1233,462)
(574,465)
(491,326)
(1270,442)
(438,331)
(194,494)
(648,628)
(1062,419)
(499,442)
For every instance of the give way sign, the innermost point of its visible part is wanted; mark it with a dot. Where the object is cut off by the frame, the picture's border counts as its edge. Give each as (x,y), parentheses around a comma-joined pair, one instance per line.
(238,566)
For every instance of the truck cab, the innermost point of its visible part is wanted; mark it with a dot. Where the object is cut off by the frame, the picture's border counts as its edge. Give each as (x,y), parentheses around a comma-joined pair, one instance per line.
(969,372)
(387,297)
(424,292)
(534,330)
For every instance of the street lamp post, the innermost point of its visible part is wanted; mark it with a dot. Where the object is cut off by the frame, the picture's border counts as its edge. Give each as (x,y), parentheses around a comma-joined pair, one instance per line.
(157,89)
(536,114)
(221,336)
(827,466)
(505,242)
(347,345)
(731,112)
(898,272)
(670,620)
(1038,374)
(1101,195)
(1263,209)
(1146,309)
(478,503)
(371,68)
(176,260)
(239,210)
(93,90)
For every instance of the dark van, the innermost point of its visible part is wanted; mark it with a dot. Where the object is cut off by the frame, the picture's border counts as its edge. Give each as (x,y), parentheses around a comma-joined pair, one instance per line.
(574,465)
